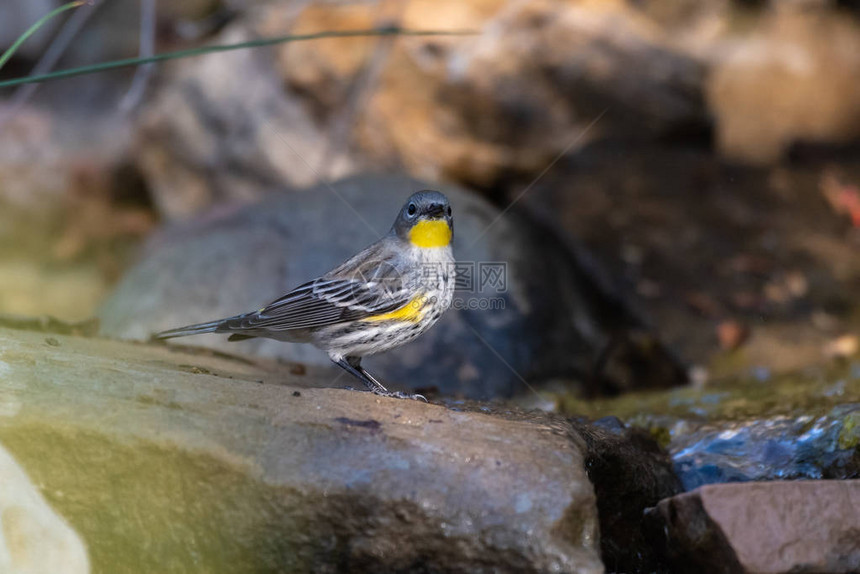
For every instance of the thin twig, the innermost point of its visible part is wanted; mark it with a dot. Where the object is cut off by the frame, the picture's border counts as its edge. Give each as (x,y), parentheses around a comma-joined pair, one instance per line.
(330,187)
(128,62)
(32,29)
(49,59)
(561,154)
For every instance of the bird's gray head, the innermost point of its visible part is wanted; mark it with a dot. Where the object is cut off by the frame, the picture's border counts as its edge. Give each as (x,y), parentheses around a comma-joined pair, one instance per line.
(425,220)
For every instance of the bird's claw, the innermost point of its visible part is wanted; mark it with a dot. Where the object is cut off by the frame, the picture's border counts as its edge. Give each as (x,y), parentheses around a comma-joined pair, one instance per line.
(399,395)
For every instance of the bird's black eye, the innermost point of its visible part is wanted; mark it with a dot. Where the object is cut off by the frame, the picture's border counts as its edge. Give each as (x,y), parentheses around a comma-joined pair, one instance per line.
(449,211)
(410,211)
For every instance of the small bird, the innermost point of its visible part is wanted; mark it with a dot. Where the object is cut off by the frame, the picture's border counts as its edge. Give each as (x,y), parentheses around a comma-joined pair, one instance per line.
(383,297)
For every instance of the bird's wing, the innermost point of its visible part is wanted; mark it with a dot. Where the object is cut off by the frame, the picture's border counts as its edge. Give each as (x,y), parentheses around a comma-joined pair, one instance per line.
(368,284)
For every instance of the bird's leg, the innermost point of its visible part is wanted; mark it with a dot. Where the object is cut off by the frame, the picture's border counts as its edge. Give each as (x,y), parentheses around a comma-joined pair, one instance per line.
(356,363)
(386,393)
(352,365)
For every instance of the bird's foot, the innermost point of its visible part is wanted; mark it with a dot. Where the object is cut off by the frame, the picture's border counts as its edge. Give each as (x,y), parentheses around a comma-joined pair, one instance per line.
(399,395)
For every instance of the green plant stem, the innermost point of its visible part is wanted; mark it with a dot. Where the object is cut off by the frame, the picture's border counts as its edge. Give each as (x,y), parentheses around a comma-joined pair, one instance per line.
(32,29)
(393,31)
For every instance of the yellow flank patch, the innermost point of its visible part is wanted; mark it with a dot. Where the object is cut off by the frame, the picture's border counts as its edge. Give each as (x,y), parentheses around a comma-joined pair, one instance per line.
(412,312)
(435,233)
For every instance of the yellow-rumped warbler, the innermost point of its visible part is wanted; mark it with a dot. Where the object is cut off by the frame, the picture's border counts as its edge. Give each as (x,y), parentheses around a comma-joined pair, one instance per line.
(384,296)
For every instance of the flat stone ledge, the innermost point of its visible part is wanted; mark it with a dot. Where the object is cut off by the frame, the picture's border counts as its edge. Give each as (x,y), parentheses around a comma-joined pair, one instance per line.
(173,461)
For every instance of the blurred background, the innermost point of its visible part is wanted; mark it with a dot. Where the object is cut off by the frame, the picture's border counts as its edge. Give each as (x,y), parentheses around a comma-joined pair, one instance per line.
(657,214)
(673,185)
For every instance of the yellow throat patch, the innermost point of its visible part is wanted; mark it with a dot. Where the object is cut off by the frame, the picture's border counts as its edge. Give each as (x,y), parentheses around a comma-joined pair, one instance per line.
(435,233)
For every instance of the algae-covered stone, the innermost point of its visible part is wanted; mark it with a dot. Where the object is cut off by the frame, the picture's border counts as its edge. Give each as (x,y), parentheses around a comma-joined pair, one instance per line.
(849,436)
(33,538)
(796,426)
(166,461)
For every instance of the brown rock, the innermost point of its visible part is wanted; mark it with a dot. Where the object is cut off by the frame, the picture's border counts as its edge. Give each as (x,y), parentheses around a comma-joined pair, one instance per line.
(527,89)
(842,347)
(765,527)
(467,108)
(327,67)
(795,78)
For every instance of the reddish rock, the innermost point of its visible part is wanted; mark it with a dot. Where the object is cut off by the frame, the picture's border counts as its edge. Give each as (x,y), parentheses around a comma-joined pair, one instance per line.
(804,526)
(732,334)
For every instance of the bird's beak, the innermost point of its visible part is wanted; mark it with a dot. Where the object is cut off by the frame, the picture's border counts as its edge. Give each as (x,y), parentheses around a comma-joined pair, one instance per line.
(436,210)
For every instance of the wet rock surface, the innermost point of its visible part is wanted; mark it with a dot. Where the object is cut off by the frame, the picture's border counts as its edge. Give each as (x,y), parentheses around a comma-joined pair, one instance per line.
(806,526)
(630,473)
(168,461)
(803,426)
(237,259)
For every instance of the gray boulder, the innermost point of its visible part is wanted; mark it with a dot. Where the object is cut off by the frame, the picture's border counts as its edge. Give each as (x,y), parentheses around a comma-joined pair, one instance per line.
(540,316)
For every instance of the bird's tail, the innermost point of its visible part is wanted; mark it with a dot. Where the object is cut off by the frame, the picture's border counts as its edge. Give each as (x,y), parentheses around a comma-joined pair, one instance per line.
(198,329)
